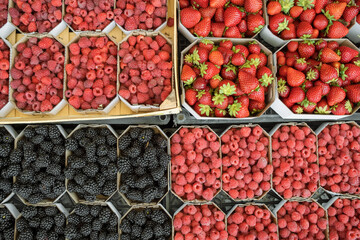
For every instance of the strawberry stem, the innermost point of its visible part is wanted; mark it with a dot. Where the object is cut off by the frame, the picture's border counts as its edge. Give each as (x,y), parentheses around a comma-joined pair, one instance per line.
(286,5)
(234,108)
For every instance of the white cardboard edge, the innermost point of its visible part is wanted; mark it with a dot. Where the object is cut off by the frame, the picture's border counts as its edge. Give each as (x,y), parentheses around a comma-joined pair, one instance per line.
(354,33)
(8,198)
(270,38)
(12,209)
(158,29)
(59,28)
(7,29)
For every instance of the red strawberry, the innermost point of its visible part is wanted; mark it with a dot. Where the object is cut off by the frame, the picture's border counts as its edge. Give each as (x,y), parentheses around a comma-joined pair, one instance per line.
(215,81)
(335,9)
(258,94)
(320,44)
(336,95)
(353,93)
(219,15)
(217,29)
(202,29)
(350,13)
(324,86)
(241,49)
(227,87)
(255,22)
(253,6)
(210,70)
(347,54)
(312,74)
(207,12)
(200,3)
(220,112)
(238,59)
(289,32)
(327,55)
(190,96)
(220,101)
(203,110)
(283,89)
(199,84)
(300,64)
(232,16)
(294,77)
(189,17)
(278,23)
(322,107)
(256,107)
(296,95)
(306,49)
(216,58)
(314,94)
(247,82)
(228,72)
(304,30)
(309,107)
(204,97)
(188,75)
(207,44)
(342,108)
(232,32)
(296,11)
(320,22)
(184,3)
(308,15)
(238,110)
(337,30)
(352,72)
(297,109)
(328,73)
(217,3)
(200,55)
(264,74)
(319,5)
(273,8)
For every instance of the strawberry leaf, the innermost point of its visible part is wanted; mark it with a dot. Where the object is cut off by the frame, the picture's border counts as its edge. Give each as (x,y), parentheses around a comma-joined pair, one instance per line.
(196,57)
(218,99)
(286,5)
(348,106)
(305,4)
(282,26)
(266,80)
(205,109)
(227,89)
(234,108)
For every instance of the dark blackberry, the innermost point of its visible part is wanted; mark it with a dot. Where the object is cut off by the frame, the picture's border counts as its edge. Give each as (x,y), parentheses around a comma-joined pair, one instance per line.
(23,191)
(134,132)
(100,140)
(160,192)
(102,150)
(35,198)
(150,194)
(109,188)
(13,170)
(26,175)
(5,149)
(133,152)
(28,146)
(164,159)
(6,137)
(104,131)
(159,216)
(77,163)
(22,225)
(113,220)
(125,226)
(96,225)
(70,173)
(42,130)
(123,164)
(91,132)
(89,198)
(147,233)
(71,144)
(124,141)
(70,231)
(29,212)
(37,139)
(100,180)
(161,141)
(25,235)
(90,150)
(95,210)
(48,180)
(104,215)
(140,218)
(163,182)
(73,219)
(47,146)
(59,219)
(31,156)
(111,140)
(92,187)
(157,173)
(94,235)
(80,178)
(125,236)
(150,154)
(54,169)
(59,150)
(54,131)
(139,171)
(142,162)
(29,132)
(8,234)
(79,134)
(112,154)
(42,162)
(103,161)
(158,230)
(145,135)
(46,223)
(84,142)
(144,181)
(129,179)
(136,231)
(112,236)
(81,209)
(153,164)
(90,169)
(167,228)
(16,156)
(51,211)
(124,188)
(59,140)
(41,234)
(85,229)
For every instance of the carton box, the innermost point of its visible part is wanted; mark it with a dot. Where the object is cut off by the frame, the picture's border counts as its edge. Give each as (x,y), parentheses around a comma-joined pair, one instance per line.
(269,97)
(269,157)
(280,108)
(120,111)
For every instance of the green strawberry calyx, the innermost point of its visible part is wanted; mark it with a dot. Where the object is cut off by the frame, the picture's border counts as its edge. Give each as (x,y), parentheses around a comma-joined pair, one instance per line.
(282,88)
(200,94)
(189,81)
(306,103)
(301,60)
(357,63)
(222,111)
(230,68)
(305,4)
(322,110)
(281,82)
(311,75)
(348,106)
(205,109)
(299,110)
(306,36)
(286,5)
(218,99)
(203,67)
(282,26)
(342,71)
(189,58)
(234,108)
(266,80)
(258,29)
(195,57)
(207,41)
(235,50)
(227,89)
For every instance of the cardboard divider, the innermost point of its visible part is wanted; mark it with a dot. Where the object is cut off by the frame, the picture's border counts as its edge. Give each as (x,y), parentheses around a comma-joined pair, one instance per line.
(280,108)
(157,130)
(197,201)
(354,33)
(269,97)
(269,155)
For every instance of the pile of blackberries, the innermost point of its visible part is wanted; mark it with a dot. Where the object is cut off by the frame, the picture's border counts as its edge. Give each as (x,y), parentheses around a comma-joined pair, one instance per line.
(9,168)
(145,224)
(92,222)
(40,223)
(143,164)
(41,155)
(7,223)
(91,167)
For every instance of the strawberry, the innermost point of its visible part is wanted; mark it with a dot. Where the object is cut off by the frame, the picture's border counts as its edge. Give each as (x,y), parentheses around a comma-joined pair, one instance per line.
(327,55)
(273,8)
(352,72)
(296,95)
(336,95)
(314,94)
(228,72)
(322,107)
(202,29)
(238,110)
(184,4)
(347,54)
(278,23)
(319,5)
(308,107)
(220,112)
(324,86)
(219,15)
(216,58)
(207,12)
(232,16)
(297,109)
(217,3)
(200,55)
(328,73)
(308,15)
(296,11)
(265,77)
(283,89)
(227,87)
(189,17)
(306,49)
(300,64)
(241,49)
(292,46)
(353,93)
(304,30)
(258,94)
(199,84)
(256,107)
(190,96)
(287,102)
(247,82)
(342,108)
(215,81)
(294,77)
(200,3)
(289,32)
(350,13)
(220,101)
(232,32)
(337,30)
(238,59)
(217,29)
(253,6)
(203,110)
(255,22)
(335,9)
(209,70)
(204,97)
(207,44)
(188,75)
(249,68)
(312,74)
(320,22)
(320,44)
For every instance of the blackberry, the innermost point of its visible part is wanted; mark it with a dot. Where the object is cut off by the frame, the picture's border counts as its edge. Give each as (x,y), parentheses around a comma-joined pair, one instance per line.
(85,229)
(102,150)
(6,137)
(134,132)
(96,225)
(103,161)
(125,236)
(59,150)
(81,209)
(124,141)
(59,220)
(92,188)
(91,132)
(150,154)
(26,235)
(42,162)
(140,171)
(28,146)
(94,235)
(109,188)
(48,180)
(158,230)
(142,162)
(112,236)
(129,179)
(23,191)
(124,188)
(100,140)
(70,173)
(90,150)
(13,170)
(77,163)
(73,219)
(158,216)
(35,198)
(54,169)
(160,141)
(167,228)
(100,180)
(136,231)
(42,130)
(46,223)
(89,198)
(8,234)
(71,144)
(5,150)
(31,156)
(16,155)
(84,142)
(112,154)
(79,134)
(41,234)
(37,139)
(133,152)
(163,182)
(22,225)
(80,178)
(134,195)
(47,146)
(147,233)
(70,231)
(95,210)
(140,218)
(123,164)
(111,140)
(104,131)
(164,159)
(145,135)
(54,131)
(157,173)
(51,211)
(90,169)
(29,212)
(143,182)
(58,141)
(150,194)
(104,215)
(113,220)
(29,132)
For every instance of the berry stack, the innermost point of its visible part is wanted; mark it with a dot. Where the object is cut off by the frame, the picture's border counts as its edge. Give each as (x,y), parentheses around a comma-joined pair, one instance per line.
(294,158)
(143,164)
(344,218)
(252,222)
(92,73)
(40,223)
(146,70)
(247,169)
(301,220)
(195,163)
(38,74)
(40,153)
(91,170)
(146,15)
(146,224)
(7,223)
(4,72)
(204,221)
(339,158)
(92,222)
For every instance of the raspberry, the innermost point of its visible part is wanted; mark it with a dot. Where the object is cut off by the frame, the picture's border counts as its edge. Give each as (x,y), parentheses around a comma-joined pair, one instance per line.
(45,43)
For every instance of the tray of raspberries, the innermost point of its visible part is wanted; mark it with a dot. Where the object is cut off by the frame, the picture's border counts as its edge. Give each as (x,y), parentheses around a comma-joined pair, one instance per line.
(221,18)
(226,78)
(318,77)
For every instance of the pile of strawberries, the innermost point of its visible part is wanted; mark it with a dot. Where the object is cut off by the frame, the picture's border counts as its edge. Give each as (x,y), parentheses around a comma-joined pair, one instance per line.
(339,158)
(38,74)
(3,12)
(4,73)
(195,164)
(319,77)
(251,222)
(296,172)
(38,16)
(200,222)
(222,18)
(344,218)
(310,19)
(91,73)
(88,15)
(226,79)
(302,220)
(146,70)
(246,167)
(146,15)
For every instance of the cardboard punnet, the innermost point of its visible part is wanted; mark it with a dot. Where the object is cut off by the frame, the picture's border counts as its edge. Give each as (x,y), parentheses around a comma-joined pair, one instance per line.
(168,103)
(269,156)
(191,37)
(318,131)
(269,97)
(99,198)
(196,201)
(115,100)
(158,29)
(140,207)
(354,33)
(280,108)
(44,202)
(157,130)
(303,124)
